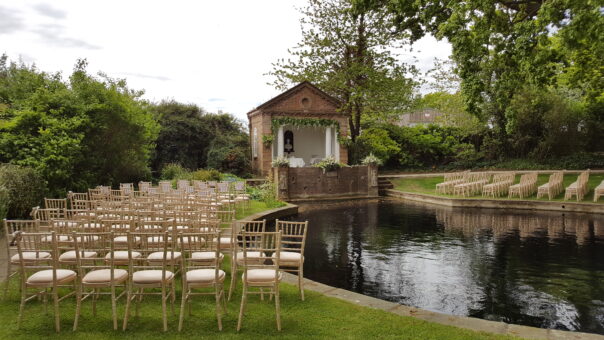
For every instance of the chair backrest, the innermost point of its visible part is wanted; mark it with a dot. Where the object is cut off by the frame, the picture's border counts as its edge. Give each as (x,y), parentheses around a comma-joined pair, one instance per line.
(127,188)
(97,245)
(250,226)
(182,183)
(200,185)
(31,248)
(147,243)
(268,243)
(45,215)
(144,186)
(223,187)
(239,186)
(293,235)
(55,203)
(165,186)
(226,216)
(12,227)
(200,242)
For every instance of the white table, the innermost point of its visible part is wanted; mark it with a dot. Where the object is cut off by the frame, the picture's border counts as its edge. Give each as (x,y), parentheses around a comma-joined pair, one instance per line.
(296,162)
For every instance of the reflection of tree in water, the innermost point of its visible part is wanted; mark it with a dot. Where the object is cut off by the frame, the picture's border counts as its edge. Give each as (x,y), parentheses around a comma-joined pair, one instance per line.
(541,269)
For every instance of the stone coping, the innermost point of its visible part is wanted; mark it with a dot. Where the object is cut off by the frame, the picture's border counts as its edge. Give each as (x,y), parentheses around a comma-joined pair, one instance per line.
(272,214)
(561,206)
(435,174)
(474,324)
(332,198)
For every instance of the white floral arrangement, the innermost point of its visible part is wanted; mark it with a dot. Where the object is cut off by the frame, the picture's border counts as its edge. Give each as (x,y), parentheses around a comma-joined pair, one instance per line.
(371,159)
(280,162)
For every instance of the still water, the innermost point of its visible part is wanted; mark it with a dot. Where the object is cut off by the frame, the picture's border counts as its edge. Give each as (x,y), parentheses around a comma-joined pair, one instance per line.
(532,268)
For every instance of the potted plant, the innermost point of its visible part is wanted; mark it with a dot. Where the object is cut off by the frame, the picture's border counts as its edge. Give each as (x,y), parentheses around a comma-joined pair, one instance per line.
(372,160)
(267,140)
(329,164)
(280,162)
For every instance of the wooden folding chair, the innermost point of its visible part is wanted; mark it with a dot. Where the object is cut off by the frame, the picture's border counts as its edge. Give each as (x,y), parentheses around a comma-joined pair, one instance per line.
(201,269)
(236,240)
(45,276)
(265,275)
(293,241)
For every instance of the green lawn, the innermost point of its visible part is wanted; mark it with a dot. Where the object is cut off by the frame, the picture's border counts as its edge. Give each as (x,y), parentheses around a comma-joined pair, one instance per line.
(318,317)
(428,186)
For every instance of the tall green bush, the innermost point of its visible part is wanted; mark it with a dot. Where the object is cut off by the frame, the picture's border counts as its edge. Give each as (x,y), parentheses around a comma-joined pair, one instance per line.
(26,189)
(4,202)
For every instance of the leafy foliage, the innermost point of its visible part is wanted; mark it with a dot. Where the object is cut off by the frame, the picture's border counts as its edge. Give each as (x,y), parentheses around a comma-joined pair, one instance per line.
(350,55)
(24,189)
(76,134)
(328,164)
(195,139)
(280,162)
(4,202)
(371,159)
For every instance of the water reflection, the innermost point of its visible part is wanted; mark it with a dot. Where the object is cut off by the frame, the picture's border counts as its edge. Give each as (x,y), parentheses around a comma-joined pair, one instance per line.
(539,269)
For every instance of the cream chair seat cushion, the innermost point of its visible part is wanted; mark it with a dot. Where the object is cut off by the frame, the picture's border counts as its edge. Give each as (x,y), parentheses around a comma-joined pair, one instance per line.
(104,276)
(290,258)
(205,256)
(121,256)
(44,277)
(151,276)
(159,256)
(204,276)
(252,256)
(261,275)
(30,255)
(124,239)
(70,256)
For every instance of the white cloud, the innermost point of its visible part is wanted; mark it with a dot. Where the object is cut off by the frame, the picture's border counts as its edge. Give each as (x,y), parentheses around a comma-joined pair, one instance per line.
(212,53)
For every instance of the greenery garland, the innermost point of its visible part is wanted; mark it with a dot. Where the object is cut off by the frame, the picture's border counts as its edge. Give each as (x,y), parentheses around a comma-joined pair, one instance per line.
(316,122)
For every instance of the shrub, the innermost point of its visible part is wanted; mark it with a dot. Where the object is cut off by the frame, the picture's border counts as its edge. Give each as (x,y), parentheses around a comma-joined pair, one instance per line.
(4,202)
(173,171)
(205,175)
(25,187)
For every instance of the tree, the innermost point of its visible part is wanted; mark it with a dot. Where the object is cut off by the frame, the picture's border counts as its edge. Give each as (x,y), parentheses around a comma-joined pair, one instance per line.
(501,46)
(350,55)
(77,133)
(195,139)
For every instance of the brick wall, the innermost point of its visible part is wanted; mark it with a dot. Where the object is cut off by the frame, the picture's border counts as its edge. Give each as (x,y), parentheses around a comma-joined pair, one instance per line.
(302,183)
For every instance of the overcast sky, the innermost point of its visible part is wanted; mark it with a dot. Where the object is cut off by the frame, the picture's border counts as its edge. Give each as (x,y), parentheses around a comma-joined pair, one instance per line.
(212,53)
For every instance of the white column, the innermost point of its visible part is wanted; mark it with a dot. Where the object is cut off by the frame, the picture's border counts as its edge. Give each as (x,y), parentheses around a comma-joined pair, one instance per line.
(336,148)
(280,142)
(327,141)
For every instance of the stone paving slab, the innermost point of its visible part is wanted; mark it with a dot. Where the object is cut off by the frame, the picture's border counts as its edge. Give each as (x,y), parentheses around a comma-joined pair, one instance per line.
(474,324)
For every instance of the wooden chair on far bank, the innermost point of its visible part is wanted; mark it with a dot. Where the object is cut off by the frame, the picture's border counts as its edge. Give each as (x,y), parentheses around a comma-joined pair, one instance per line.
(599,191)
(553,187)
(578,188)
(526,187)
(293,240)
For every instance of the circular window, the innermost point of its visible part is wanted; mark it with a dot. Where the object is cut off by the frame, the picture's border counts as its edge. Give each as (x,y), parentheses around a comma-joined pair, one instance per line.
(305,102)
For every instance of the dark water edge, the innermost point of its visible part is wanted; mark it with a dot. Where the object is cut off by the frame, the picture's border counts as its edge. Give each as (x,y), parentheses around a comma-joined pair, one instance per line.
(537,269)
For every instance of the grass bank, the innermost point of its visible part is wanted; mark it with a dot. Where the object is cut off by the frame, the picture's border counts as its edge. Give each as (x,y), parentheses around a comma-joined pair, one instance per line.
(427,185)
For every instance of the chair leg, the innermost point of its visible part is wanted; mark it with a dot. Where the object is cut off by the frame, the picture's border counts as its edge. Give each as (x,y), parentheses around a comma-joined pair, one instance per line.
(164,307)
(183,302)
(113,308)
(78,307)
(233,276)
(6,283)
(301,281)
(21,306)
(243,302)
(55,296)
(218,308)
(278,308)
(127,311)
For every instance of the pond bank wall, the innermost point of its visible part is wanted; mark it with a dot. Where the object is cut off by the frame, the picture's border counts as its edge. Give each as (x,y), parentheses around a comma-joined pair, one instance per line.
(561,206)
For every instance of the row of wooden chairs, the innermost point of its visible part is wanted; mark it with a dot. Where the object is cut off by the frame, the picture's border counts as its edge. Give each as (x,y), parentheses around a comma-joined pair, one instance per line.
(500,185)
(472,184)
(599,191)
(451,179)
(526,187)
(553,187)
(579,188)
(97,255)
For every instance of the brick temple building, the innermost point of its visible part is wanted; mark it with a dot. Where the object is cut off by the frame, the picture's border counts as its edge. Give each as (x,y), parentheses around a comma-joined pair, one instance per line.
(302,124)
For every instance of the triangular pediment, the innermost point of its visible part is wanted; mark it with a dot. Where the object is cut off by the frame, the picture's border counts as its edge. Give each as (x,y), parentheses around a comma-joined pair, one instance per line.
(302,98)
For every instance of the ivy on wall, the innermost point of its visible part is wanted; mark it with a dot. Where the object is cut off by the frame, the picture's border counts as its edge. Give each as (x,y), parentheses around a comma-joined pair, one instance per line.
(316,122)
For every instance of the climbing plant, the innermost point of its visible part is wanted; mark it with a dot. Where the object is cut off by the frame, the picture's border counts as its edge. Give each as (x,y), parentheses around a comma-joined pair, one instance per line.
(316,122)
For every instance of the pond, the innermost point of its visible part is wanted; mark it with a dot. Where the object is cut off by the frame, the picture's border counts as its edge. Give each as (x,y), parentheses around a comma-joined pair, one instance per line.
(538,269)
